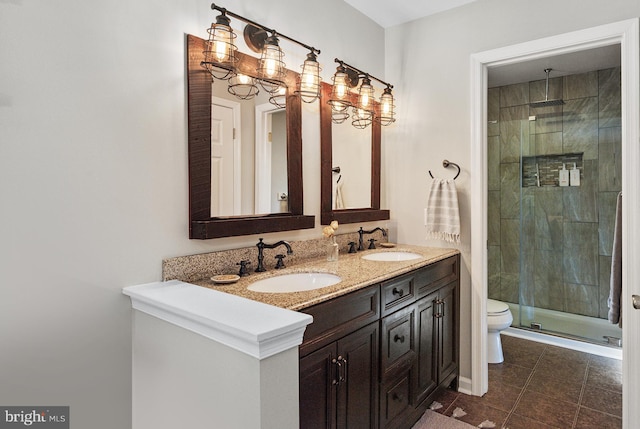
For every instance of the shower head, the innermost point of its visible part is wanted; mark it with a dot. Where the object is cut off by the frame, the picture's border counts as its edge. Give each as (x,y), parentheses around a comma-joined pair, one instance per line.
(546,102)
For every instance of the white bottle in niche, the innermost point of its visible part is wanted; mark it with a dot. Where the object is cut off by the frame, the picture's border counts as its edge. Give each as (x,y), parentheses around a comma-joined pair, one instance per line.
(574,176)
(563,176)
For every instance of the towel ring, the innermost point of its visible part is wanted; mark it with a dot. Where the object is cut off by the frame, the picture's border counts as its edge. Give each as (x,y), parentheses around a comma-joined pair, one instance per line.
(445,164)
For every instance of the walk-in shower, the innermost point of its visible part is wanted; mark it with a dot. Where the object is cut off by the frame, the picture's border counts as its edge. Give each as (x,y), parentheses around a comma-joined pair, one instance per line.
(554,175)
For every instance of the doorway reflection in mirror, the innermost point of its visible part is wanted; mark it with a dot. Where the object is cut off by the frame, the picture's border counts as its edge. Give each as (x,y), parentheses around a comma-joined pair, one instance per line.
(248,155)
(351,150)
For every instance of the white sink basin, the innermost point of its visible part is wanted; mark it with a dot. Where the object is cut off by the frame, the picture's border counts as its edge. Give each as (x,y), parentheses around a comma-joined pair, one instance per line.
(295,282)
(391,256)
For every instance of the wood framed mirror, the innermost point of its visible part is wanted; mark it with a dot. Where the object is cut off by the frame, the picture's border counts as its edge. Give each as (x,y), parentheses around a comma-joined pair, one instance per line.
(346,215)
(202,225)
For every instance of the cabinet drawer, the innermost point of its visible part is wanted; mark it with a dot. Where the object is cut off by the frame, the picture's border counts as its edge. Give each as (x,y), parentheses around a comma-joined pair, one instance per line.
(398,340)
(340,316)
(397,293)
(394,400)
(437,275)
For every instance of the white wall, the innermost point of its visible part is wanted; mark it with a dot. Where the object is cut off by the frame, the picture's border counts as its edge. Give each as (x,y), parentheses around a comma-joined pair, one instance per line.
(429,60)
(93,177)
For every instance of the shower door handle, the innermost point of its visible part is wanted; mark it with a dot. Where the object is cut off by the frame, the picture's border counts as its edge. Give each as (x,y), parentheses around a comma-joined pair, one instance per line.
(635,299)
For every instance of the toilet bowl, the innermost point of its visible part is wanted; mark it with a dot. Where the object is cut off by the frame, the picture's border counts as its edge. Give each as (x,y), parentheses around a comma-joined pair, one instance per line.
(499,317)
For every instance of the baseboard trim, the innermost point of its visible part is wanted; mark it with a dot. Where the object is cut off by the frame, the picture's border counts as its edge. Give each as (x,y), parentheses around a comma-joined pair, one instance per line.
(464,385)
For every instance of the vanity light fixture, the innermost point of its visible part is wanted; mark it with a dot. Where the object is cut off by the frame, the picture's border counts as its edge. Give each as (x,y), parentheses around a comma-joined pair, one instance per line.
(221,61)
(340,99)
(310,79)
(365,110)
(271,67)
(242,86)
(279,97)
(387,110)
(220,50)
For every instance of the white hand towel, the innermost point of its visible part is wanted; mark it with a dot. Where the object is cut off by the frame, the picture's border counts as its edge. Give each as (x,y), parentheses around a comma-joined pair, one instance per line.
(338,199)
(443,217)
(615,284)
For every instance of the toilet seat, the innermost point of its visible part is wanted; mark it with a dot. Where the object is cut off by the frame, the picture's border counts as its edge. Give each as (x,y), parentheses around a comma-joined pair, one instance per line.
(495,308)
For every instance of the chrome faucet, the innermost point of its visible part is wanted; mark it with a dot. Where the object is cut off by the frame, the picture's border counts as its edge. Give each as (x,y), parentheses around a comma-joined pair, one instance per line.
(361,234)
(261,246)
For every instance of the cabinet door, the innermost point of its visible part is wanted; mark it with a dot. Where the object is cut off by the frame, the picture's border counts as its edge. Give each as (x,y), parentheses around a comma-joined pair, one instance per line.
(448,337)
(426,377)
(318,383)
(358,382)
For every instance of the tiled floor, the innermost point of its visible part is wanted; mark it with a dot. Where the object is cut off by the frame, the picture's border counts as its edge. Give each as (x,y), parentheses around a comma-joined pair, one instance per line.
(542,386)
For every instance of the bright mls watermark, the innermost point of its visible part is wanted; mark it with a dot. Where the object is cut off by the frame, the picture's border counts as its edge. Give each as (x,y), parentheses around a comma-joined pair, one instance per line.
(34,417)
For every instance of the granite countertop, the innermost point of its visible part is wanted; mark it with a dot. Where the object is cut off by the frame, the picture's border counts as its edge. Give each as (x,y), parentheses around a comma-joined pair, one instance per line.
(354,271)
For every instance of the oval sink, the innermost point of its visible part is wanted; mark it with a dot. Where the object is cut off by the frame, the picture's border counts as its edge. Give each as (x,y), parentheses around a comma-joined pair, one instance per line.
(295,282)
(391,256)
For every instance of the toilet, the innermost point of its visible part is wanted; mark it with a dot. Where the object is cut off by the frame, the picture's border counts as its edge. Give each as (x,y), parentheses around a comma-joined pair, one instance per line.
(499,317)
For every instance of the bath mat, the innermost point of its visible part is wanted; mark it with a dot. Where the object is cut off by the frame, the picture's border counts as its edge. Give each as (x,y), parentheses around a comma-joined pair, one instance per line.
(432,420)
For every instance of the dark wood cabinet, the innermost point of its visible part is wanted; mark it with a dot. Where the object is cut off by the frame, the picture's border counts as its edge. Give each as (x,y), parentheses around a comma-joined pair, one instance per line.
(437,345)
(447,322)
(426,379)
(374,358)
(317,390)
(339,383)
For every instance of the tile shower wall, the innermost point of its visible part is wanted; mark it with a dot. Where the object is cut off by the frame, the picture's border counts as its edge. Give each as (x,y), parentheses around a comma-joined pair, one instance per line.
(566,232)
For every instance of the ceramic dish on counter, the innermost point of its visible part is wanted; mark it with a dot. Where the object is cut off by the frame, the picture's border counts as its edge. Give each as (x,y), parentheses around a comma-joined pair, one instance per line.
(225,279)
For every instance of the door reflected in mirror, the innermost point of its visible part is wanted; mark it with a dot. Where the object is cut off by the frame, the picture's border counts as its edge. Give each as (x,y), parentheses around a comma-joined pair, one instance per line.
(351,151)
(248,155)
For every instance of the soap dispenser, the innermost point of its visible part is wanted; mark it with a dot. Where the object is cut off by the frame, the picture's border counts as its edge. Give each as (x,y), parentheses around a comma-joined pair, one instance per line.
(563,176)
(574,176)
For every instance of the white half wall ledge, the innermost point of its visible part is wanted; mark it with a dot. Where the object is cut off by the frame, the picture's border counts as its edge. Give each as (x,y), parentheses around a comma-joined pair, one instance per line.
(257,329)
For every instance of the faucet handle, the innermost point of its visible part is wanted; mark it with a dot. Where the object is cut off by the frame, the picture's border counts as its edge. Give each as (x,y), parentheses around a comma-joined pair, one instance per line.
(280,263)
(352,247)
(372,243)
(243,268)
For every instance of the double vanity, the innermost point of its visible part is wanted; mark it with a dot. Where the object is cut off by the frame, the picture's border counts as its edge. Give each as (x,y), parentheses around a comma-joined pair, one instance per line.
(364,341)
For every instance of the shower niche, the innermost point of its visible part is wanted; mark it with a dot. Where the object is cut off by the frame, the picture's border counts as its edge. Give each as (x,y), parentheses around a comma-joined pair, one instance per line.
(544,170)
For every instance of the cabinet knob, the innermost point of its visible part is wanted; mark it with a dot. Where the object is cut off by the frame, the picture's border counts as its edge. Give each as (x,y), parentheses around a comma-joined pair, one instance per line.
(398,338)
(397,291)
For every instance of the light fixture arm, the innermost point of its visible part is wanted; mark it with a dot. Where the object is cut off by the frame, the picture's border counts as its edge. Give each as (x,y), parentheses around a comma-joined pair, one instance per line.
(260,26)
(361,73)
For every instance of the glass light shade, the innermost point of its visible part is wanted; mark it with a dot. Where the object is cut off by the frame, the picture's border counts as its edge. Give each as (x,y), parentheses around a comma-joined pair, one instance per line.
(279,97)
(310,79)
(220,50)
(365,95)
(242,86)
(386,114)
(361,118)
(339,117)
(271,68)
(340,96)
